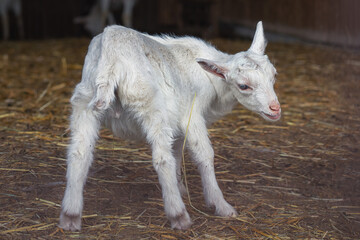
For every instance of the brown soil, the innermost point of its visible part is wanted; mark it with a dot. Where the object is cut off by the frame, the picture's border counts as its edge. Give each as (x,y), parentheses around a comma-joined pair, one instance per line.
(295,179)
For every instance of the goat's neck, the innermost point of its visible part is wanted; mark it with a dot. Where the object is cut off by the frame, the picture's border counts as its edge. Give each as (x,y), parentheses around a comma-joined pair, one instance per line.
(223,102)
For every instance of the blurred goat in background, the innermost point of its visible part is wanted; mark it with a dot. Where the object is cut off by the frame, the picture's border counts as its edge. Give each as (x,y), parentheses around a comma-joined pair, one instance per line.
(5,7)
(101,15)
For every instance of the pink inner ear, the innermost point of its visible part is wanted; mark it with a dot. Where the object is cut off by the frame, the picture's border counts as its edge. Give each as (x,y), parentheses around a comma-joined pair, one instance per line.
(213,68)
(219,73)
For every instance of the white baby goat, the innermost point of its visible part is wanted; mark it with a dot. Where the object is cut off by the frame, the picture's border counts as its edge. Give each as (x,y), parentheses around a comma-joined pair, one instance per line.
(101,14)
(142,87)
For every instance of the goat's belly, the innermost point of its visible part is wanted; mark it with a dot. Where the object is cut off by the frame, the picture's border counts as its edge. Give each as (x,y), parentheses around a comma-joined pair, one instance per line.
(124,127)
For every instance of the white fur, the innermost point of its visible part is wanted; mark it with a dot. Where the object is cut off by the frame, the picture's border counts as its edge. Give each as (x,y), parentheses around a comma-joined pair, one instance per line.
(142,87)
(5,7)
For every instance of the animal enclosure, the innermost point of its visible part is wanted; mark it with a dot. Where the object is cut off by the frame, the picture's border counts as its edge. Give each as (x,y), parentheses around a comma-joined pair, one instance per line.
(297,178)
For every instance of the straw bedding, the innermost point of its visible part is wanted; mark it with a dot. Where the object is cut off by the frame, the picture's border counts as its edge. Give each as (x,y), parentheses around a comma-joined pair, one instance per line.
(295,179)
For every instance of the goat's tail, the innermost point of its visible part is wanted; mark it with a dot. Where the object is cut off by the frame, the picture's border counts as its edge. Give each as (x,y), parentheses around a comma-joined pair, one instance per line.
(106,80)
(106,84)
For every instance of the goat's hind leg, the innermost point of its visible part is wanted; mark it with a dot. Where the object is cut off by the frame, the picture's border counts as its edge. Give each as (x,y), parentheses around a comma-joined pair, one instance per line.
(85,124)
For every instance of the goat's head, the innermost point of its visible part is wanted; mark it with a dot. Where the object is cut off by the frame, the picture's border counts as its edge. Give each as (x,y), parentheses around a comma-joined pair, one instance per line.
(251,77)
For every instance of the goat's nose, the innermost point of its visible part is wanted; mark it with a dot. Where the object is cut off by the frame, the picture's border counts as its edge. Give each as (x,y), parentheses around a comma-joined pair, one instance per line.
(275,106)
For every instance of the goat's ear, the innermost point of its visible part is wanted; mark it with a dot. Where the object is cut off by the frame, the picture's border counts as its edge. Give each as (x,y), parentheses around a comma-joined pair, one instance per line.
(213,67)
(259,42)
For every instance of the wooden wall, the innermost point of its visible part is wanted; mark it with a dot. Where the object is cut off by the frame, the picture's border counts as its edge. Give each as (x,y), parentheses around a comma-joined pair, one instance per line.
(329,21)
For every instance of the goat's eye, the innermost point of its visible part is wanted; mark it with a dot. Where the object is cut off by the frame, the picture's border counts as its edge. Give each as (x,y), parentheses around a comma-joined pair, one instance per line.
(244,86)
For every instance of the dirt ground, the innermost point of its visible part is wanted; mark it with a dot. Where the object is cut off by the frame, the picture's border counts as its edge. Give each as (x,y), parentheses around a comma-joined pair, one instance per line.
(298,178)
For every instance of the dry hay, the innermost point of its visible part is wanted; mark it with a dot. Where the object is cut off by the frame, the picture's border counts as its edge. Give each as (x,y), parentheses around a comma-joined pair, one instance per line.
(295,179)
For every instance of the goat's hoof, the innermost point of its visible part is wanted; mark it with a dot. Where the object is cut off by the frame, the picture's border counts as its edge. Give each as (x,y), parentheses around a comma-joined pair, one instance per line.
(70,222)
(226,210)
(181,221)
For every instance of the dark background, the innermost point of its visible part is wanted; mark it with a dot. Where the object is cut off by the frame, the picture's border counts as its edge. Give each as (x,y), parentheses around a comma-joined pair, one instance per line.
(335,22)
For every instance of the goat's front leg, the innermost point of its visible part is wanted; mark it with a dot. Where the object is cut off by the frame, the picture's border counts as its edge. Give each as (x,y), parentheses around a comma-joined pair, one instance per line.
(19,19)
(5,24)
(203,155)
(84,127)
(165,167)
(127,13)
(161,140)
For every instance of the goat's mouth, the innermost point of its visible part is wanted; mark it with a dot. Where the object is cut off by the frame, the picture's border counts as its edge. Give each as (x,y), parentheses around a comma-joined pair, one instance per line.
(271,117)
